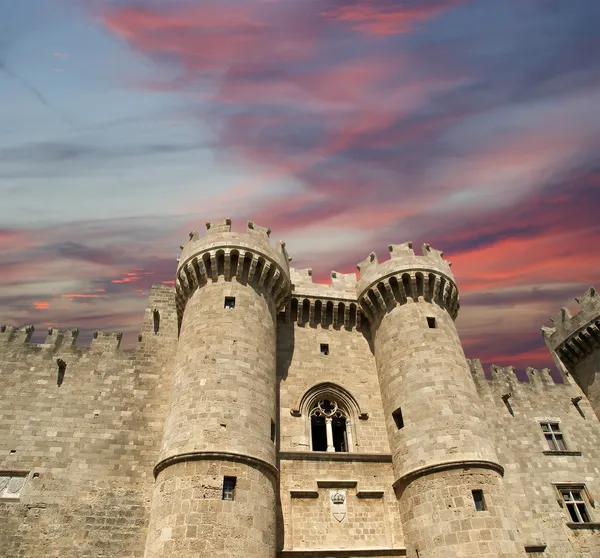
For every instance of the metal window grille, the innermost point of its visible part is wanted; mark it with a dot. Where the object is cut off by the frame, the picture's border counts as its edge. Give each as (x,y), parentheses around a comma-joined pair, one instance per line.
(554,436)
(575,504)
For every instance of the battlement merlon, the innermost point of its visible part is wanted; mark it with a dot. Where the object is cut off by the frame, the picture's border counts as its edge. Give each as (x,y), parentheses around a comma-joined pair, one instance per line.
(506,380)
(406,275)
(571,335)
(247,256)
(341,286)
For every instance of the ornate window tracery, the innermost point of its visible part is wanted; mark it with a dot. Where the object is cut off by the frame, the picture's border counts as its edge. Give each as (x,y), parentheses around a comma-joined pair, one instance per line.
(329,427)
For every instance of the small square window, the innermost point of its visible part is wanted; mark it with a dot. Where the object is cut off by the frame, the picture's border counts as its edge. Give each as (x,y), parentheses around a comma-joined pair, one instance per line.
(479,500)
(397,414)
(324,349)
(229,488)
(554,436)
(574,499)
(431,323)
(230,302)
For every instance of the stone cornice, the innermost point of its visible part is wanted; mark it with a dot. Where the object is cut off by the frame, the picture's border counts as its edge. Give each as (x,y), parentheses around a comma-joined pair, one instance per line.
(217,456)
(334,456)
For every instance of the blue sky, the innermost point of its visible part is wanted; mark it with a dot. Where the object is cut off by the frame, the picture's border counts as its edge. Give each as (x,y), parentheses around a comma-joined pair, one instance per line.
(343,126)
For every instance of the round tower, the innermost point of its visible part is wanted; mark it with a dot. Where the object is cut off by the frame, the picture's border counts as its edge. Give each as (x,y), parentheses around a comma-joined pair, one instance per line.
(574,344)
(447,476)
(216,478)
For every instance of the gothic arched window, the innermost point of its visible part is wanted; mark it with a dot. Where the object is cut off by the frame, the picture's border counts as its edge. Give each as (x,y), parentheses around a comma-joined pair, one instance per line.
(329,427)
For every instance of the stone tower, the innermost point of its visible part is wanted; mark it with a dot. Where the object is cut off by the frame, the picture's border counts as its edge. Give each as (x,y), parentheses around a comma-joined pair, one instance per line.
(219,435)
(574,343)
(443,455)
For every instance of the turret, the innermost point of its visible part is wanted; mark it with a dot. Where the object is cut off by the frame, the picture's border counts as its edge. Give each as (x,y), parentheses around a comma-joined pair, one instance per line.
(445,465)
(216,477)
(574,343)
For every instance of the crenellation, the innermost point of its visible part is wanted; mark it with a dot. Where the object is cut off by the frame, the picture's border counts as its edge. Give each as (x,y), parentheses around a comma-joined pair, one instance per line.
(264,415)
(218,227)
(57,337)
(106,341)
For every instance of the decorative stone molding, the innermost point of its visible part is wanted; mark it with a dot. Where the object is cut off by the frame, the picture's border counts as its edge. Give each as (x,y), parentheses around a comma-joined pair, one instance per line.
(216,455)
(334,456)
(573,338)
(404,278)
(249,258)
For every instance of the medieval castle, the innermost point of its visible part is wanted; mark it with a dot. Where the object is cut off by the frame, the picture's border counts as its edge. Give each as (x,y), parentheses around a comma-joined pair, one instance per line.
(263,415)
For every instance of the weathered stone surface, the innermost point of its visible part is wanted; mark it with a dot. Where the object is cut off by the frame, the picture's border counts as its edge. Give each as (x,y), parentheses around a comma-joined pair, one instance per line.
(106,452)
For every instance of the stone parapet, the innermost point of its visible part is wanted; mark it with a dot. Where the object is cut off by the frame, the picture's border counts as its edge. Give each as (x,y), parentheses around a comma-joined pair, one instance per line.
(248,257)
(406,276)
(573,338)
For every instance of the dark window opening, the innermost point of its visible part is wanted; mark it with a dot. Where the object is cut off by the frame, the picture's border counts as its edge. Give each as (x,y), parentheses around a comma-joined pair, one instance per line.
(431,323)
(324,349)
(553,436)
(340,439)
(575,504)
(272,431)
(62,368)
(319,433)
(229,488)
(479,500)
(230,302)
(155,321)
(397,414)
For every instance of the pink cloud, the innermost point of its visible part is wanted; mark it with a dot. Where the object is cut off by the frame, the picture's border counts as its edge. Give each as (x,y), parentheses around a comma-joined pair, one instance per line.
(378,18)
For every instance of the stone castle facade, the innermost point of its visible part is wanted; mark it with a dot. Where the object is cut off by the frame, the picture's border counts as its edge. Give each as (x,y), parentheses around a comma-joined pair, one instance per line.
(262,415)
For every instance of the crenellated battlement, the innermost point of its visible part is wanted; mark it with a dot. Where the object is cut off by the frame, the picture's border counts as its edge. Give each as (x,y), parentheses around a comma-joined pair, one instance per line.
(506,378)
(61,337)
(248,257)
(325,304)
(406,277)
(573,337)
(58,338)
(341,285)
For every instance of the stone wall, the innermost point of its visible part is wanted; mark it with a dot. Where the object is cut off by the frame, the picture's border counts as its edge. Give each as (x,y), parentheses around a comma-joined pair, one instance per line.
(308,479)
(531,469)
(87,446)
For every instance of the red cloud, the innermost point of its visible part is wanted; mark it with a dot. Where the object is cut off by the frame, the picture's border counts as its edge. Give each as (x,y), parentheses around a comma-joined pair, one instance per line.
(132,276)
(42,305)
(375,18)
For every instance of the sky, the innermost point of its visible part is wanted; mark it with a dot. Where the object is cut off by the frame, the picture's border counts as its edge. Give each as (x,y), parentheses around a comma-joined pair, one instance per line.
(343,125)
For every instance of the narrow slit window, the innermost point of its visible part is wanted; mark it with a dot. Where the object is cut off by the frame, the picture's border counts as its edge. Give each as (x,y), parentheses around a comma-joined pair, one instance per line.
(479,500)
(230,302)
(272,431)
(431,323)
(229,488)
(554,436)
(62,368)
(398,419)
(324,349)
(155,321)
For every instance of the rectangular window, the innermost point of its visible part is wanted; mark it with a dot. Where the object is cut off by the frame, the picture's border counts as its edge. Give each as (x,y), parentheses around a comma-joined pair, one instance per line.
(272,431)
(229,488)
(11,485)
(431,323)
(397,414)
(574,500)
(553,436)
(230,302)
(324,349)
(479,500)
